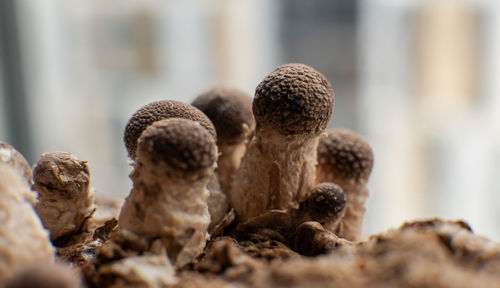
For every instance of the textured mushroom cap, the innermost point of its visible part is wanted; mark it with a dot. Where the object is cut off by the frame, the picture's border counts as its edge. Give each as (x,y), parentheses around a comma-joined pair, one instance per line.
(182,144)
(345,154)
(294,99)
(11,156)
(228,109)
(326,201)
(57,169)
(160,110)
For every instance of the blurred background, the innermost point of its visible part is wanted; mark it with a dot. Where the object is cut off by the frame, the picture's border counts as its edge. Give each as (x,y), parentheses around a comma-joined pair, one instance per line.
(419,79)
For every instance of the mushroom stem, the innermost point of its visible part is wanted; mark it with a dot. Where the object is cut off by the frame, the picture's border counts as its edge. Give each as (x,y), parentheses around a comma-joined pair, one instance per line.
(152,208)
(229,161)
(350,226)
(217,201)
(287,172)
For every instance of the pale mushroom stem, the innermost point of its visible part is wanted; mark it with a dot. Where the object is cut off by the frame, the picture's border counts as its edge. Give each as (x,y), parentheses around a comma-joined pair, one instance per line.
(351,225)
(285,178)
(228,163)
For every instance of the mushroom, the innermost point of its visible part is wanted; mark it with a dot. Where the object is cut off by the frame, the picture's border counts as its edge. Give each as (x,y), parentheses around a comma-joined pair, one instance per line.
(345,158)
(11,156)
(325,205)
(23,240)
(230,110)
(217,201)
(292,107)
(175,160)
(65,198)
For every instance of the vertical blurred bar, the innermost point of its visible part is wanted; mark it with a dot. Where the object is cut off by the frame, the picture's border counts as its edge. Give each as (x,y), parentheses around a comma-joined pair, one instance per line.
(18,128)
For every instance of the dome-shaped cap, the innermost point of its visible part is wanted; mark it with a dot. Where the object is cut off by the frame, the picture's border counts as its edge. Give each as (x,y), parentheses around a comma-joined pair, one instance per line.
(160,110)
(228,109)
(294,99)
(182,144)
(326,201)
(345,154)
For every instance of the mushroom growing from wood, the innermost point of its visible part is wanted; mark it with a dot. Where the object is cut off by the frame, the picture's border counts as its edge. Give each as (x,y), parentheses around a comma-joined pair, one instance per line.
(175,160)
(292,107)
(346,158)
(230,110)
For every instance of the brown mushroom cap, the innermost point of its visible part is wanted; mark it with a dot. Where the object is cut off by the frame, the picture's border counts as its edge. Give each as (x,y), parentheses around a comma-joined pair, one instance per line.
(326,202)
(60,169)
(228,109)
(160,110)
(294,99)
(345,154)
(182,144)
(11,156)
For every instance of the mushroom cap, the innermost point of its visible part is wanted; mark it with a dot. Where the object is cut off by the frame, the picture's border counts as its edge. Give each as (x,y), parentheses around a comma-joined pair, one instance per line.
(182,144)
(345,154)
(294,99)
(228,109)
(11,156)
(326,202)
(160,110)
(59,169)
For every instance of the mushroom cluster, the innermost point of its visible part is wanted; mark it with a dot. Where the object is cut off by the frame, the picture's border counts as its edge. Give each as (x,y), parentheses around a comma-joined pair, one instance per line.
(220,188)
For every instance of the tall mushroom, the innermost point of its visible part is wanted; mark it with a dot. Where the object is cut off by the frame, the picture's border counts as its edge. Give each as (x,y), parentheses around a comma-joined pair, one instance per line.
(66,200)
(23,240)
(167,109)
(292,107)
(175,161)
(230,110)
(346,159)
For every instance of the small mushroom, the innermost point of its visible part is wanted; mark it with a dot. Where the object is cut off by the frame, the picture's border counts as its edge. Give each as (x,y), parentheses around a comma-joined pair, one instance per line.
(326,205)
(292,107)
(230,110)
(23,240)
(345,158)
(175,160)
(65,197)
(11,156)
(167,109)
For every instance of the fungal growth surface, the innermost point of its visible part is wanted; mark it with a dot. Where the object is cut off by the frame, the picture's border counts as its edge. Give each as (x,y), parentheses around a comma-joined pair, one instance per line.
(175,161)
(345,158)
(292,107)
(63,181)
